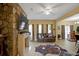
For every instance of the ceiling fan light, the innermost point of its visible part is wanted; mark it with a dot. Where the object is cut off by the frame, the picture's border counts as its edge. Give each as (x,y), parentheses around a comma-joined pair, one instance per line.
(47,13)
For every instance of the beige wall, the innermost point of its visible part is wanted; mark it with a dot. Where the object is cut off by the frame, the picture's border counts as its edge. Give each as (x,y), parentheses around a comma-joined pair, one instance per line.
(44,22)
(64,22)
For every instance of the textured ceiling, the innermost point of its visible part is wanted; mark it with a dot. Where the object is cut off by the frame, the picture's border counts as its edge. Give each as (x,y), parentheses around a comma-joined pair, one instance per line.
(35,10)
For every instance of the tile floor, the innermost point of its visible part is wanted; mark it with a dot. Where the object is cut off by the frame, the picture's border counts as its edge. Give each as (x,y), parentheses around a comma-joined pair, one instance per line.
(70,46)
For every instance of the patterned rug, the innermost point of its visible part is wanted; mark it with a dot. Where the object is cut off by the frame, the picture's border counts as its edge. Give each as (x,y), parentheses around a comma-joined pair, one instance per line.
(52,49)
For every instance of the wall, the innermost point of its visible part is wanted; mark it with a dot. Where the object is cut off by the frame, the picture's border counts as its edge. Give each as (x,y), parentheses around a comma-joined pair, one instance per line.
(64,22)
(44,22)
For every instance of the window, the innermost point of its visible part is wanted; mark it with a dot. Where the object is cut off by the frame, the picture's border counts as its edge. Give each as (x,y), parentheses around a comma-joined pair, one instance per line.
(49,28)
(30,30)
(40,28)
(67,32)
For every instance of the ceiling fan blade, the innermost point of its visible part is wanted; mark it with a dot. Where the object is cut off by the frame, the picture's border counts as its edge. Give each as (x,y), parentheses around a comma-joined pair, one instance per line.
(52,13)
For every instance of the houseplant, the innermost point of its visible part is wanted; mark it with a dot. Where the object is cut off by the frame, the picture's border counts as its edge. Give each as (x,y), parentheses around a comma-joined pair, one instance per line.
(77,30)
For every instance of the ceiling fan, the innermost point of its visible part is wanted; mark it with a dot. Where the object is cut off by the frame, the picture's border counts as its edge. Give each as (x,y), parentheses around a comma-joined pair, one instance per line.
(48,8)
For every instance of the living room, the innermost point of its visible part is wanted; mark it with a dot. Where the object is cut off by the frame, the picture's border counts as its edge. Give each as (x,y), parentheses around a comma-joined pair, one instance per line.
(45,40)
(39,29)
(42,25)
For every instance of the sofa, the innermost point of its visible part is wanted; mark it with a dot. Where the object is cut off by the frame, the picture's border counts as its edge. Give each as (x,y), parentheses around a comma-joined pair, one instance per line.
(45,37)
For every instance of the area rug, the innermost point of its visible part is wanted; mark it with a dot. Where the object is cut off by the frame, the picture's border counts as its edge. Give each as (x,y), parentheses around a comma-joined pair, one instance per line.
(51,49)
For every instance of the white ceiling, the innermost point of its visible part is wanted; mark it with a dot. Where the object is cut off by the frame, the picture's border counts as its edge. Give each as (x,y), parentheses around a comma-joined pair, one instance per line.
(34,10)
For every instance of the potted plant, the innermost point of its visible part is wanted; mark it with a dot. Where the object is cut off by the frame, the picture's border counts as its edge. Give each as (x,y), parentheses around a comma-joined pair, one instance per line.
(77,30)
